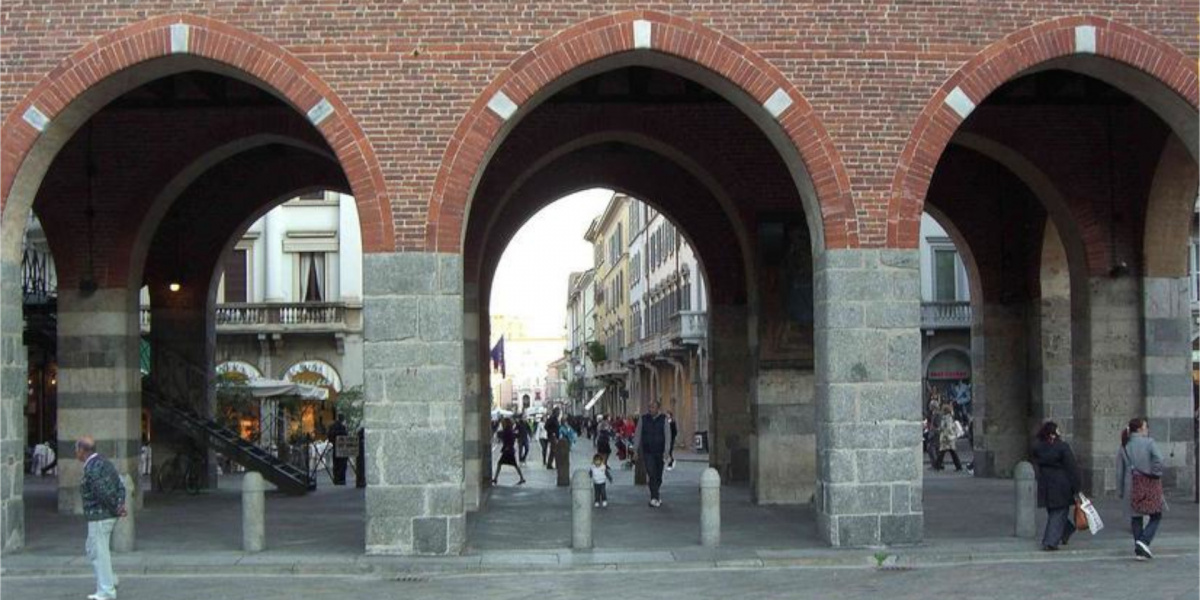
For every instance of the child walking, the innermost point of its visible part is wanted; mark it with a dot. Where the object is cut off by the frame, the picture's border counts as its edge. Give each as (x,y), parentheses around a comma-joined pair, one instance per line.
(600,479)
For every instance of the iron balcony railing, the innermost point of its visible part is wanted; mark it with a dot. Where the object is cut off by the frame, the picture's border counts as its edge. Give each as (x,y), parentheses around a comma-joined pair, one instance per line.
(38,282)
(692,326)
(945,315)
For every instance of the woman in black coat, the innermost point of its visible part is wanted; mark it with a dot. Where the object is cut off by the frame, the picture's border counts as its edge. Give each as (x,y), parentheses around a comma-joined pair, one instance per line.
(1058,482)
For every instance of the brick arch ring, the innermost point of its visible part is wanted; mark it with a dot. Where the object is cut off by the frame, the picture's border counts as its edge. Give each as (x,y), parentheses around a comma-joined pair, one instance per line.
(482,128)
(1002,61)
(266,62)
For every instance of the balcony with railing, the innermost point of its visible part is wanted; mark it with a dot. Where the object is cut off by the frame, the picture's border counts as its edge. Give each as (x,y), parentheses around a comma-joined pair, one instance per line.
(690,327)
(281,317)
(945,315)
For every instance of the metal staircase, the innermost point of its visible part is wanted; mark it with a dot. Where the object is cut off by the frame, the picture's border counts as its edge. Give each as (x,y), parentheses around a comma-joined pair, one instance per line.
(173,391)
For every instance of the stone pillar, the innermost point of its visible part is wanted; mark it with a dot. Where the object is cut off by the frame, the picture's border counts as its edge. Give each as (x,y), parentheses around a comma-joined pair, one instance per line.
(13,372)
(475,390)
(254,513)
(1107,343)
(868,370)
(1025,500)
(999,359)
(413,315)
(581,510)
(710,508)
(1166,330)
(1051,385)
(273,244)
(784,447)
(99,384)
(729,432)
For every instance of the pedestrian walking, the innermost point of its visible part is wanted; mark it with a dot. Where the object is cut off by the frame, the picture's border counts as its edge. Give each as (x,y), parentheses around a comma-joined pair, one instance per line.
(552,429)
(1141,467)
(671,444)
(103,503)
(523,435)
(651,437)
(604,437)
(1058,483)
(508,450)
(600,478)
(542,436)
(338,430)
(948,433)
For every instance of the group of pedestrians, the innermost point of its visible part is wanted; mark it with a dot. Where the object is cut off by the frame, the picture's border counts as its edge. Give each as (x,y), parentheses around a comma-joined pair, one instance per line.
(942,430)
(1140,465)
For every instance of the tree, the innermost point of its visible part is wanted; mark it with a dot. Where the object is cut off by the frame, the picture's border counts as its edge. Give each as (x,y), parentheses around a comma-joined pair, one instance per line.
(596,352)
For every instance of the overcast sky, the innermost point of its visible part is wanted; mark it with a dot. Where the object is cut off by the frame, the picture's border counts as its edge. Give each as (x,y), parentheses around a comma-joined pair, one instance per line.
(531,281)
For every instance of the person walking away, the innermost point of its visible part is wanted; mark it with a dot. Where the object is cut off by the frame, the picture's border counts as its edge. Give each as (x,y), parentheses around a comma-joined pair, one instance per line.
(1141,467)
(600,478)
(338,430)
(1058,483)
(671,445)
(542,437)
(552,428)
(508,450)
(523,435)
(604,441)
(651,437)
(948,433)
(103,503)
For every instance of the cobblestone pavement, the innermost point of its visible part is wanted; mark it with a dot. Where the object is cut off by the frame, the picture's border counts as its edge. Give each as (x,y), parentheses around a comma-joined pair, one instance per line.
(1166,578)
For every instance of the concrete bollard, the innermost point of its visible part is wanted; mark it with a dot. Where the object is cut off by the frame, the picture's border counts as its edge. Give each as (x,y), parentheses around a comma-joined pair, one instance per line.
(125,533)
(1025,489)
(562,462)
(254,513)
(710,508)
(581,510)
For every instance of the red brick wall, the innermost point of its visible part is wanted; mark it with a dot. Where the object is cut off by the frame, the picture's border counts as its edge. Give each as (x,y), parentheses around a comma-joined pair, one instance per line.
(407,78)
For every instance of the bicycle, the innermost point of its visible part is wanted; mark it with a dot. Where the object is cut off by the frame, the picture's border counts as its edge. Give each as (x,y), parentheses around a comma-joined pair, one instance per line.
(184,471)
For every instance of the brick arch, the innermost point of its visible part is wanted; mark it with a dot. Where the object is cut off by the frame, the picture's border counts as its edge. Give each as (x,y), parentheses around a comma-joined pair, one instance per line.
(480,130)
(998,64)
(266,62)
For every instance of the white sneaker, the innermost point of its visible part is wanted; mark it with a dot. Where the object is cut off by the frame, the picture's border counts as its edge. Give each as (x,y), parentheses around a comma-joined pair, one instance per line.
(1145,548)
(604,504)
(595,505)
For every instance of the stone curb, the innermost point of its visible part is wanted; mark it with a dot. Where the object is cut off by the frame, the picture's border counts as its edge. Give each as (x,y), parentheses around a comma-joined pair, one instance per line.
(979,551)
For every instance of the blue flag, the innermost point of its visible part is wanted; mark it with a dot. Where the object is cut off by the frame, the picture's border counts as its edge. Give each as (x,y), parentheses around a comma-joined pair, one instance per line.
(498,357)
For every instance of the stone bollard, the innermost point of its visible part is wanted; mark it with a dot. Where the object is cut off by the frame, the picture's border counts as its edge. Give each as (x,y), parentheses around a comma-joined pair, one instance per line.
(581,510)
(562,462)
(710,508)
(254,513)
(1025,487)
(125,533)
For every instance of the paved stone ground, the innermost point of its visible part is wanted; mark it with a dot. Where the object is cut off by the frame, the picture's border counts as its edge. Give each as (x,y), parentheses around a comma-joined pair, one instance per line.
(971,512)
(1166,578)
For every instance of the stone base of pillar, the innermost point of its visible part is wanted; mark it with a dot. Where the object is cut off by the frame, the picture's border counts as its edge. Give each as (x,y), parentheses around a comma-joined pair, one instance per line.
(783,451)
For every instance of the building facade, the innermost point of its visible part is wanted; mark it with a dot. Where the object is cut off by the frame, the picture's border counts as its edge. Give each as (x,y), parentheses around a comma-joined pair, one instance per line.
(608,234)
(796,143)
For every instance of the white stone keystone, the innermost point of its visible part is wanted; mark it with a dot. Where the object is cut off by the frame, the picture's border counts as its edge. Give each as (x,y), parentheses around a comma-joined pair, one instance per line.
(1085,39)
(641,34)
(180,35)
(319,111)
(502,105)
(36,118)
(958,101)
(777,103)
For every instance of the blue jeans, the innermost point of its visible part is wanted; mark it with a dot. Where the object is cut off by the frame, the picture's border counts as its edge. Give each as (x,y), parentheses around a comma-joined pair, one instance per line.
(1146,535)
(98,544)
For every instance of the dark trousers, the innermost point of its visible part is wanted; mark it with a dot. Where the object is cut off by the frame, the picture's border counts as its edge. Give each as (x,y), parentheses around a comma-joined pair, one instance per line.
(524,449)
(941,459)
(654,472)
(552,443)
(1146,536)
(339,470)
(599,492)
(545,444)
(1058,526)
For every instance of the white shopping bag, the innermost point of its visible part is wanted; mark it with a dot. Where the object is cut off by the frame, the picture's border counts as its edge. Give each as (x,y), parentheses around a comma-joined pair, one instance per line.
(1093,515)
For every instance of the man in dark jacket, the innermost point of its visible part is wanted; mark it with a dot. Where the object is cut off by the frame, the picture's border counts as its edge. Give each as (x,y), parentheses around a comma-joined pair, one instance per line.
(337,430)
(103,502)
(652,440)
(552,427)
(523,435)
